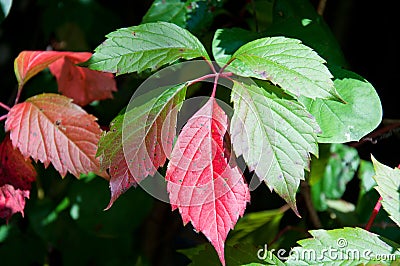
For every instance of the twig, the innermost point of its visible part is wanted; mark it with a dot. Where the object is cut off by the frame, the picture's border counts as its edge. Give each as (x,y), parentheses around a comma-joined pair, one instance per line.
(377,135)
(321,7)
(305,191)
(5,106)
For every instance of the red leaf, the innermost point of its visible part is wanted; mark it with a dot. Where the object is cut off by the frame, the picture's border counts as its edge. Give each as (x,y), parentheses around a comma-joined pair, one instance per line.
(16,176)
(29,63)
(81,84)
(12,201)
(208,189)
(149,132)
(49,128)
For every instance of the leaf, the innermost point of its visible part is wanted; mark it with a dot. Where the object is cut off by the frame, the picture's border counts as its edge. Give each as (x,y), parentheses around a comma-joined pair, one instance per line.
(227,41)
(275,137)
(16,176)
(388,181)
(29,63)
(137,153)
(173,11)
(340,122)
(257,228)
(5,6)
(12,201)
(81,84)
(147,46)
(285,62)
(342,165)
(347,246)
(206,186)
(51,129)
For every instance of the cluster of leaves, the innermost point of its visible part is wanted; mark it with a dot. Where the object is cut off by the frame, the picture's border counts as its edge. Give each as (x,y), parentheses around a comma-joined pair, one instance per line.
(295,103)
(50,128)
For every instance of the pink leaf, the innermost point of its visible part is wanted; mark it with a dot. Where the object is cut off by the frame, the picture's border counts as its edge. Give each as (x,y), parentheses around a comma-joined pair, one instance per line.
(206,187)
(16,176)
(51,129)
(12,201)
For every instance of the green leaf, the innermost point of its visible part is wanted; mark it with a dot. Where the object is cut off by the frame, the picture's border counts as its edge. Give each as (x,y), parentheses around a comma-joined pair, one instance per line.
(293,66)
(173,11)
(388,181)
(275,137)
(347,246)
(201,13)
(340,122)
(5,6)
(342,165)
(366,174)
(238,254)
(257,227)
(147,46)
(227,41)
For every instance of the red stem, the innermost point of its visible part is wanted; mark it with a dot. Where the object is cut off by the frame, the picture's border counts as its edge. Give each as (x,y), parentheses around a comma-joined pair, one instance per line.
(374,213)
(215,85)
(211,65)
(3,117)
(5,106)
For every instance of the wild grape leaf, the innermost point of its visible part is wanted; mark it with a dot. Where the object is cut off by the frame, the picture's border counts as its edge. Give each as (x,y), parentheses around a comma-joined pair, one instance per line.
(81,84)
(341,122)
(29,63)
(16,176)
(12,200)
(173,11)
(347,246)
(137,144)
(275,137)
(206,185)
(296,68)
(388,181)
(147,46)
(51,129)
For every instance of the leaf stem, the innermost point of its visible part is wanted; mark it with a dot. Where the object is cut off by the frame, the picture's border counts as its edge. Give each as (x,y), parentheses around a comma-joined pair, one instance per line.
(3,117)
(209,76)
(215,85)
(374,213)
(18,94)
(227,64)
(211,65)
(8,108)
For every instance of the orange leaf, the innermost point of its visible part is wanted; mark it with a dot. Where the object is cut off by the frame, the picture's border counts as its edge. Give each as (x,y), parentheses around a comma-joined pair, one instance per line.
(51,129)
(81,84)
(29,63)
